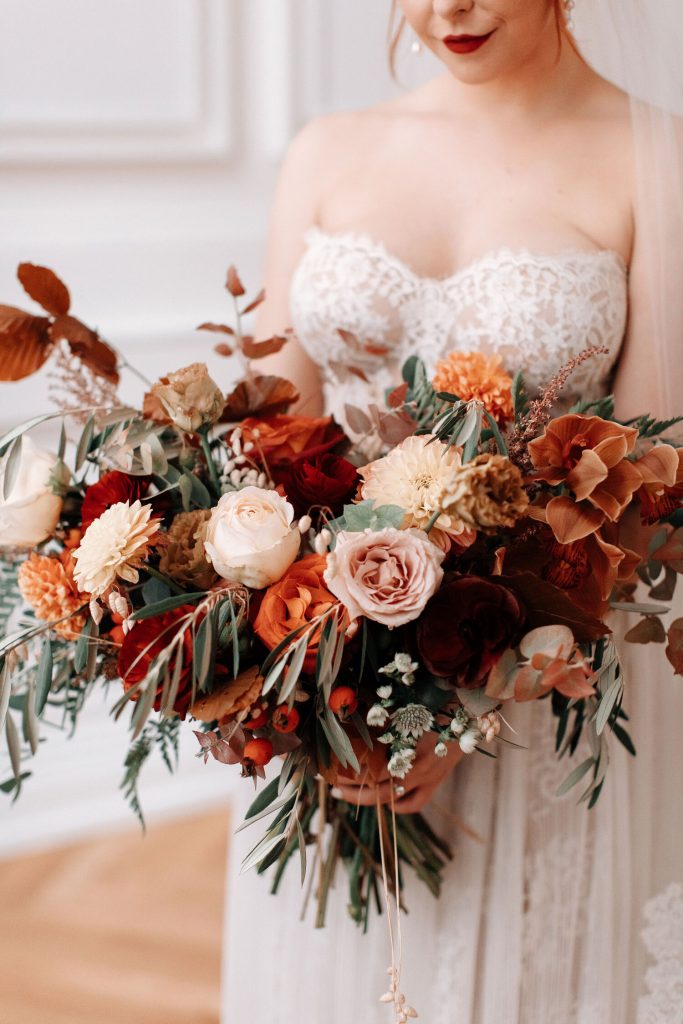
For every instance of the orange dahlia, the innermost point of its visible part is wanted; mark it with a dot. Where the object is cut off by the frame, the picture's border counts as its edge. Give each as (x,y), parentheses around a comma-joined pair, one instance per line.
(476,375)
(47,584)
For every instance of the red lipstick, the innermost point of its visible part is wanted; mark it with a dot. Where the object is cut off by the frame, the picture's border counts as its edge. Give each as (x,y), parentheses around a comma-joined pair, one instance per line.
(466,44)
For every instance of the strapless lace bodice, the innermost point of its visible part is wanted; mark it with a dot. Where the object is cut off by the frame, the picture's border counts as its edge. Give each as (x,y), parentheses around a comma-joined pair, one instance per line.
(537,311)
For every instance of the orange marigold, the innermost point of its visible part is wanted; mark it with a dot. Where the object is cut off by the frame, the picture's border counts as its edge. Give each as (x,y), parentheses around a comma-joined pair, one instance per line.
(476,375)
(47,584)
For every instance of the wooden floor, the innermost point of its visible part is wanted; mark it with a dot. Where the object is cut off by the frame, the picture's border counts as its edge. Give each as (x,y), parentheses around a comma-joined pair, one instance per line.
(121,930)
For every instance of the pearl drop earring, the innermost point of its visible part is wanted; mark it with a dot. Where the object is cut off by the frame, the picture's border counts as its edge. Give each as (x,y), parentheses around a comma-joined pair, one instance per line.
(569,12)
(416,46)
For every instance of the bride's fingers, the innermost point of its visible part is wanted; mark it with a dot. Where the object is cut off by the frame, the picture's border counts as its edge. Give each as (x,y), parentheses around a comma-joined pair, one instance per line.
(367,795)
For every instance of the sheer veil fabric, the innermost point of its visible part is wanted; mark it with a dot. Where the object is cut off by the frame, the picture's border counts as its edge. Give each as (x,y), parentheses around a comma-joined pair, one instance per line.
(551,913)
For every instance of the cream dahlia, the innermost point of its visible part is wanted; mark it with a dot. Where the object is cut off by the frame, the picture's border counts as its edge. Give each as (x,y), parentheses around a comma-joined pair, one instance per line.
(114,545)
(419,475)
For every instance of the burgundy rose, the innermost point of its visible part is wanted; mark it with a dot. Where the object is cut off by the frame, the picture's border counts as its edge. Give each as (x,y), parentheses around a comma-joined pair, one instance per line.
(145,642)
(466,627)
(109,490)
(324,479)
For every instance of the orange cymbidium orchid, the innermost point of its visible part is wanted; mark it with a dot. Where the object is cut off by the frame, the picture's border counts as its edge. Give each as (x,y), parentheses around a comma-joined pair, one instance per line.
(661,491)
(588,456)
(548,659)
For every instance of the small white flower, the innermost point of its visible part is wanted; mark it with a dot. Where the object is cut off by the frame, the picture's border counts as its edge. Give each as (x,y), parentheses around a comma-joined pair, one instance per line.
(412,720)
(459,722)
(401,762)
(469,740)
(441,749)
(305,524)
(387,737)
(377,716)
(384,692)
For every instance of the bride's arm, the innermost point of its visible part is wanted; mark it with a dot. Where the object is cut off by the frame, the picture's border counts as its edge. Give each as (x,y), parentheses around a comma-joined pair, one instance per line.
(293,210)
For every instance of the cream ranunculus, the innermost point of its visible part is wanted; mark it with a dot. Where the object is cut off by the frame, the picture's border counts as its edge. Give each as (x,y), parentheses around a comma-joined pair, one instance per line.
(31,511)
(190,397)
(250,537)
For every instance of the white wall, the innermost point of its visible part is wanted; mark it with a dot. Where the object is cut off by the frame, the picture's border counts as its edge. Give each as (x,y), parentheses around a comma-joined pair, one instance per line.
(139,144)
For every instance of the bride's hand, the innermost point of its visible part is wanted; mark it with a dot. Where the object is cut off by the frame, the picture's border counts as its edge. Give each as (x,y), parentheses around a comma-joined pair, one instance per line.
(426,775)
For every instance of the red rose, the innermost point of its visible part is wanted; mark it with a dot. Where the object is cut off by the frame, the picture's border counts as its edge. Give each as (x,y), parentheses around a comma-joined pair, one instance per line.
(466,627)
(110,489)
(325,479)
(145,642)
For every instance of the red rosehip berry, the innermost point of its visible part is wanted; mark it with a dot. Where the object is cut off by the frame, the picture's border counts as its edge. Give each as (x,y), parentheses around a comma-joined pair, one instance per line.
(116,635)
(343,701)
(258,719)
(285,720)
(257,752)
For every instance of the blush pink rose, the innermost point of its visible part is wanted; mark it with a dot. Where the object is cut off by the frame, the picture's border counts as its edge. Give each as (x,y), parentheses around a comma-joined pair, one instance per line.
(385,575)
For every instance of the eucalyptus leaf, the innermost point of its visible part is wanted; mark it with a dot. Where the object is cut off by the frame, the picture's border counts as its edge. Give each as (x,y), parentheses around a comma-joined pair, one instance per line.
(44,677)
(261,851)
(5,691)
(13,745)
(84,443)
(167,605)
(576,776)
(11,467)
(302,849)
(263,799)
(30,721)
(609,699)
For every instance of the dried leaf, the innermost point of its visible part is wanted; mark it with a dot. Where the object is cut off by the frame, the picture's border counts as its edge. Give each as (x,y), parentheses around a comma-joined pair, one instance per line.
(255,302)
(674,650)
(216,328)
(152,409)
(649,630)
(358,420)
(25,343)
(237,695)
(396,428)
(346,370)
(259,396)
(45,288)
(87,346)
(233,283)
(223,350)
(258,349)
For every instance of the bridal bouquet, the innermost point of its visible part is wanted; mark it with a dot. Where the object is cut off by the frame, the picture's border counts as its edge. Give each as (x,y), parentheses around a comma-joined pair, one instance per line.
(326,602)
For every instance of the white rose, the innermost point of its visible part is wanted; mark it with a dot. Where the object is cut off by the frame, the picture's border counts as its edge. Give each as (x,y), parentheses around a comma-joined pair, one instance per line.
(250,538)
(31,511)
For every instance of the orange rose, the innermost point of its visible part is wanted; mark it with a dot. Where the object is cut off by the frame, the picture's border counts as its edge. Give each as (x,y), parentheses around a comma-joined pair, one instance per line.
(299,597)
(282,438)
(588,455)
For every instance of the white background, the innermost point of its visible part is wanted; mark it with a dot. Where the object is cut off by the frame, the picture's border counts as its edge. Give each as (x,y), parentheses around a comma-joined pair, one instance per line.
(139,145)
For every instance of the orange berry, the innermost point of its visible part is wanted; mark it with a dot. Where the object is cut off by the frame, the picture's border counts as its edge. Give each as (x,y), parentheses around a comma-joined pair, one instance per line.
(117,635)
(259,718)
(285,720)
(257,752)
(343,701)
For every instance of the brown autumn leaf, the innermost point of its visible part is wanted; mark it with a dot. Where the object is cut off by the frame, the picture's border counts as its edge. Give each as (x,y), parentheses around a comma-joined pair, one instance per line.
(547,605)
(223,350)
(45,288)
(233,283)
(255,302)
(25,343)
(87,346)
(671,553)
(152,409)
(650,630)
(398,396)
(345,370)
(237,695)
(367,347)
(674,650)
(259,396)
(216,328)
(396,427)
(258,349)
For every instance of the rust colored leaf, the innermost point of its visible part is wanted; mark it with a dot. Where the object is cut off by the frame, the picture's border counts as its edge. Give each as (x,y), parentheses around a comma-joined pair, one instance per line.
(345,370)
(674,650)
(255,302)
(216,328)
(396,427)
(398,396)
(87,346)
(649,630)
(547,605)
(25,343)
(259,396)
(358,420)
(258,349)
(233,283)
(45,288)
(367,347)
(223,349)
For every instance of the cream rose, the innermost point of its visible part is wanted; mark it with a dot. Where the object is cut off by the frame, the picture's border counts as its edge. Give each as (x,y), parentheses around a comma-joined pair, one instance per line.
(31,511)
(385,575)
(249,537)
(190,397)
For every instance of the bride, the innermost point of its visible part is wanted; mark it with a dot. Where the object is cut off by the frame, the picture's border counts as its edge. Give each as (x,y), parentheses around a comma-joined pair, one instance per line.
(497,208)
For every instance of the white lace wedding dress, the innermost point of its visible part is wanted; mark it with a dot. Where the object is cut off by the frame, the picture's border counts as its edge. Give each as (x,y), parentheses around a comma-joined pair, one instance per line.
(540,920)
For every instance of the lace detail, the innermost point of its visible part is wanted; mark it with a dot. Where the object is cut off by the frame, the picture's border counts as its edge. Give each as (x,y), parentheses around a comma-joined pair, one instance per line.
(536,310)
(663,938)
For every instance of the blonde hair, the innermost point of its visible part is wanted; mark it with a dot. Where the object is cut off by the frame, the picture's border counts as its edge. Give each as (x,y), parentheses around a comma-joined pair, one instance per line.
(395,33)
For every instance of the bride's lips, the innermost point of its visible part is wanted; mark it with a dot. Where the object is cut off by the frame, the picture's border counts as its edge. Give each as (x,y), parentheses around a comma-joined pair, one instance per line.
(466,44)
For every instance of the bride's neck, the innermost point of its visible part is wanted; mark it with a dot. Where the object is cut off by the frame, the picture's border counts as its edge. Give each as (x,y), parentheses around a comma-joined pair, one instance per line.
(539,88)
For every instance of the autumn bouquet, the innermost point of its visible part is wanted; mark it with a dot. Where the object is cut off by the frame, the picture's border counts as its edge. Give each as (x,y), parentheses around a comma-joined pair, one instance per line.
(313,607)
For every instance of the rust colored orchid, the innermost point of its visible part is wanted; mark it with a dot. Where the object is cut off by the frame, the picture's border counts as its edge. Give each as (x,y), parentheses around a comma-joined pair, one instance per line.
(588,456)
(661,491)
(548,660)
